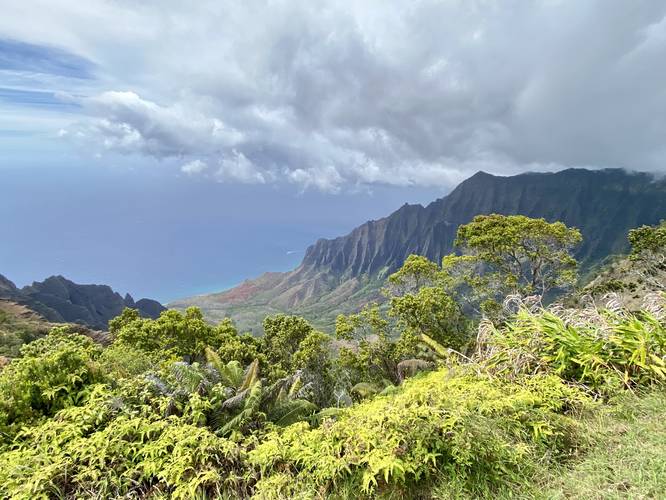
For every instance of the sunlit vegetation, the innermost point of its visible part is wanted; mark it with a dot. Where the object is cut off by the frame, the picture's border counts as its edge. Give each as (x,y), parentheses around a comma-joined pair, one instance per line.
(463,386)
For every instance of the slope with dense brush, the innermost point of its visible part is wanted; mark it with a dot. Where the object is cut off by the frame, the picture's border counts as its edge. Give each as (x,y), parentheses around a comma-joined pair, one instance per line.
(60,300)
(341,274)
(537,400)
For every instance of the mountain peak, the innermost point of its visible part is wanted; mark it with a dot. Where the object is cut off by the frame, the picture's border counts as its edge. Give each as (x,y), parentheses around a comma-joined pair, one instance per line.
(60,300)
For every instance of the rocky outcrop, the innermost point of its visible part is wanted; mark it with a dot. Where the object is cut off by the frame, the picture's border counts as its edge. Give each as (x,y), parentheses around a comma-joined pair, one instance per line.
(58,299)
(339,275)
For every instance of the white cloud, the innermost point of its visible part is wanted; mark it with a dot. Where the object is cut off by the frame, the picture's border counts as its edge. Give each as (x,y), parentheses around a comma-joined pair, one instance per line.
(194,167)
(323,178)
(131,124)
(353,93)
(236,167)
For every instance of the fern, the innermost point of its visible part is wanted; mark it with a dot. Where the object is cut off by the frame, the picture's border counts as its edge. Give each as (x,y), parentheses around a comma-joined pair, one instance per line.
(292,411)
(251,376)
(231,374)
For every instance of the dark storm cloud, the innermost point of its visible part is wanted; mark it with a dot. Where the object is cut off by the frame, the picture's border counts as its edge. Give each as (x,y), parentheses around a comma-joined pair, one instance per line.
(330,94)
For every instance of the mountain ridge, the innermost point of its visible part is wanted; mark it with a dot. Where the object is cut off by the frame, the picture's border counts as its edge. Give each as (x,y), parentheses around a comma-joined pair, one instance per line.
(60,300)
(340,274)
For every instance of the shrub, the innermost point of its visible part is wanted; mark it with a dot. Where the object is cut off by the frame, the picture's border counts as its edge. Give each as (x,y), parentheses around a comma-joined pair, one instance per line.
(601,349)
(181,334)
(129,456)
(475,431)
(53,373)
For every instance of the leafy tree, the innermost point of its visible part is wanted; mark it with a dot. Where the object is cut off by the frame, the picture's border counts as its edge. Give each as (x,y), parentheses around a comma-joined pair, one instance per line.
(648,252)
(52,373)
(181,334)
(376,355)
(648,240)
(511,254)
(431,311)
(242,348)
(283,335)
(416,272)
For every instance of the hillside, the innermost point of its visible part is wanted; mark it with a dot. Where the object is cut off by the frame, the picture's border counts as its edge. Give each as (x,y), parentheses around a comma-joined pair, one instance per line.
(60,300)
(18,325)
(339,275)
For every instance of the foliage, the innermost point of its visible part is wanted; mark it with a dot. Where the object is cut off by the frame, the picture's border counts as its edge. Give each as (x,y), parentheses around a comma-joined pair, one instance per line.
(18,326)
(242,348)
(648,239)
(601,349)
(282,337)
(416,272)
(648,253)
(86,453)
(121,361)
(403,404)
(474,431)
(375,357)
(52,373)
(511,254)
(181,334)
(432,312)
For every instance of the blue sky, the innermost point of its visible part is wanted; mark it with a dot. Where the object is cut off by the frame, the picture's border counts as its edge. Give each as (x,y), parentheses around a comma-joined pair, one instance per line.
(166,148)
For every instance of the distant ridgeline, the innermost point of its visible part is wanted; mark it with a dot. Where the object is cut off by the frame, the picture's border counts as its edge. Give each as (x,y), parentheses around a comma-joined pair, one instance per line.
(341,274)
(59,300)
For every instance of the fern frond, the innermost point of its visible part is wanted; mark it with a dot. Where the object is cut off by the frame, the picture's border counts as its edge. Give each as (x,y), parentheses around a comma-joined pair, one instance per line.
(291,411)
(251,375)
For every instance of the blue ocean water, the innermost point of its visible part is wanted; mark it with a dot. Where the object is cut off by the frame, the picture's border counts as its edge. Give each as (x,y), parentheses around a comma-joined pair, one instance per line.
(158,234)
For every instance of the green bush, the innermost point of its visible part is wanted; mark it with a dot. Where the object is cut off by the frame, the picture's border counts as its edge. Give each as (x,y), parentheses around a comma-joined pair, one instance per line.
(84,453)
(476,431)
(53,373)
(603,350)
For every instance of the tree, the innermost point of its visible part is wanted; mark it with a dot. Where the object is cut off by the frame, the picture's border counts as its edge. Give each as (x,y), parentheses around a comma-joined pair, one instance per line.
(181,334)
(648,240)
(283,337)
(513,254)
(432,312)
(416,272)
(648,252)
(375,356)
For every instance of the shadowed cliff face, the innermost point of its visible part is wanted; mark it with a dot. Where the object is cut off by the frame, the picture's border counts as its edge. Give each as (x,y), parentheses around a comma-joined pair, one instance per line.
(59,300)
(604,205)
(341,274)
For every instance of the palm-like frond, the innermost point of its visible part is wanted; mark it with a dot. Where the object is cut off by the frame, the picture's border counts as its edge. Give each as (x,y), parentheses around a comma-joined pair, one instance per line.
(235,402)
(288,412)
(251,376)
(187,376)
(231,373)
(250,407)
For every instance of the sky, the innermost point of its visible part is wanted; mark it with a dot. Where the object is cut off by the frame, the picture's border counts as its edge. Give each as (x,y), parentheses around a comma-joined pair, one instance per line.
(168,148)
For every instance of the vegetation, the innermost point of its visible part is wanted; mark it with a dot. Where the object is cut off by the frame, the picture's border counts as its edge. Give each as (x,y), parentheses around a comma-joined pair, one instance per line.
(416,400)
(18,325)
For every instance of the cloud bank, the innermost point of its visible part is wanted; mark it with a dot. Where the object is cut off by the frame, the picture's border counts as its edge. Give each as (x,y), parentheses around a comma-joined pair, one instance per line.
(333,94)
